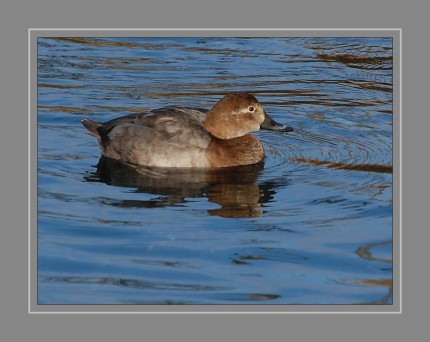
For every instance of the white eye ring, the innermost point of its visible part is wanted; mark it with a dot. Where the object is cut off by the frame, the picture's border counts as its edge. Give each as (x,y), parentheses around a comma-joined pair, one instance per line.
(251,109)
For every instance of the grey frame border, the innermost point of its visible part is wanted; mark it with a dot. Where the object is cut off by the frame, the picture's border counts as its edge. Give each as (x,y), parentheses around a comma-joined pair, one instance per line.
(395,308)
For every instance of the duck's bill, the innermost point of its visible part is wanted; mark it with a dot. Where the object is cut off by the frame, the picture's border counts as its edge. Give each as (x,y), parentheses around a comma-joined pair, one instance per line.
(272,125)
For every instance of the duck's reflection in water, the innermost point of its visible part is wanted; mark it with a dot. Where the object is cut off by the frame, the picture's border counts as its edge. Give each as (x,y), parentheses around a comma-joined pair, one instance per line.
(234,189)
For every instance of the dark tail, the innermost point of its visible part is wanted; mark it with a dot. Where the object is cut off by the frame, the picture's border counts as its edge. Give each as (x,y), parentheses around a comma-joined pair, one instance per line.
(99,130)
(92,127)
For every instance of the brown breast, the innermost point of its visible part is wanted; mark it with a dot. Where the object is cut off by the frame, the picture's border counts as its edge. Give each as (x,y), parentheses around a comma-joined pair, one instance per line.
(244,150)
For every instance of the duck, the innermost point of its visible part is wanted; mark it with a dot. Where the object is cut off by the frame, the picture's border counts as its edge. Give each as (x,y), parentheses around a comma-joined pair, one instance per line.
(186,137)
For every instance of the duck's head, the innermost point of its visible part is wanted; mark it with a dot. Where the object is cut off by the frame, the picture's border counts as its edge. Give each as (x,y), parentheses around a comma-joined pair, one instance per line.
(237,114)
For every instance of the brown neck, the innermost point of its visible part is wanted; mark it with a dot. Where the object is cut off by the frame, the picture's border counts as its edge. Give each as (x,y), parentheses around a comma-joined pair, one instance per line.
(244,150)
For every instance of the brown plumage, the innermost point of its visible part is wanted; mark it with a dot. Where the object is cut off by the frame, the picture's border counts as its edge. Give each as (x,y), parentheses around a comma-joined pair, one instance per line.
(178,136)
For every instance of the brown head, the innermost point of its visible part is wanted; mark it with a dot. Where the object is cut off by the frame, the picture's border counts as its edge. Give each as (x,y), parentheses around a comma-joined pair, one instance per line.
(237,114)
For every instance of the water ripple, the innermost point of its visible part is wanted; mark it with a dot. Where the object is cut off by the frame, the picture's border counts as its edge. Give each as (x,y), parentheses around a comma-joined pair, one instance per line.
(305,226)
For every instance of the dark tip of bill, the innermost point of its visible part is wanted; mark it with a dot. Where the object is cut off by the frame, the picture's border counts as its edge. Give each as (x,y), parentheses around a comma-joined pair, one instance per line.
(272,125)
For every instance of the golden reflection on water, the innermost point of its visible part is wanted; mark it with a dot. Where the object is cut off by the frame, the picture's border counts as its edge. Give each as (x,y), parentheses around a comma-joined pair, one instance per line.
(345,166)
(236,200)
(102,43)
(234,189)
(355,59)
(365,253)
(388,283)
(378,282)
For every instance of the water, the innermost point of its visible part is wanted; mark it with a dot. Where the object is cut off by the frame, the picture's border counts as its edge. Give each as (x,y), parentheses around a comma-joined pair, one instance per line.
(312,225)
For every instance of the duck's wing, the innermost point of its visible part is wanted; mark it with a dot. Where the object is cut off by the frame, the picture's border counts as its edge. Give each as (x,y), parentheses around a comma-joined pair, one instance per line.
(178,126)
(157,117)
(198,114)
(181,126)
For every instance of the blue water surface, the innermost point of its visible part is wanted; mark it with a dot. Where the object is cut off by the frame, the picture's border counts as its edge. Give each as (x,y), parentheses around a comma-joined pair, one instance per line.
(311,225)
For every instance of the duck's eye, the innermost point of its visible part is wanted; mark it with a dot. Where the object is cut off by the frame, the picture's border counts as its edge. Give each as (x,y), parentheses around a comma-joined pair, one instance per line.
(251,109)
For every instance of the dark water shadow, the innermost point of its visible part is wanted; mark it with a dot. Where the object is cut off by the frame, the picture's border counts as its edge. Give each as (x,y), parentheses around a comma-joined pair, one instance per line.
(235,189)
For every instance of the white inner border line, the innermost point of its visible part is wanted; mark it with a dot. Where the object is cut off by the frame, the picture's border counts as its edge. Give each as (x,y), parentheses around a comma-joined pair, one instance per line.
(215,29)
(30,30)
(400,173)
(29,169)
